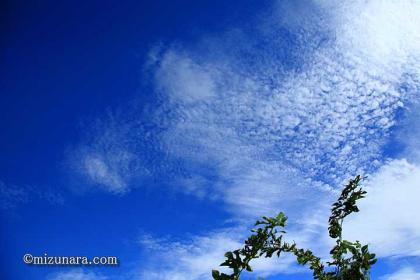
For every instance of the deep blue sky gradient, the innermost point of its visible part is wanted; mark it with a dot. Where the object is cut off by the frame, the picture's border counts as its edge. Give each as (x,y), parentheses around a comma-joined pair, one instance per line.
(65,62)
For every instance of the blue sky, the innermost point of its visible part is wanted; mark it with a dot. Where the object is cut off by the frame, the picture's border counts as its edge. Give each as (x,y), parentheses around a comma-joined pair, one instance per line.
(158,132)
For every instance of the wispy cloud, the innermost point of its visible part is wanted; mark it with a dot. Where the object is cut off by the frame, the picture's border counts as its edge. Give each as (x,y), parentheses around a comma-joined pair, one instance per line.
(11,196)
(106,157)
(76,274)
(389,220)
(195,258)
(181,260)
(407,273)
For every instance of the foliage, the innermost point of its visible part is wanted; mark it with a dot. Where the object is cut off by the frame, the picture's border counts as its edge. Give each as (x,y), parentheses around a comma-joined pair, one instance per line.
(350,260)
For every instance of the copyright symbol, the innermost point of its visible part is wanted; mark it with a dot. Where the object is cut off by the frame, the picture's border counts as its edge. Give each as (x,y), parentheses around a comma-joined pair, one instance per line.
(28,258)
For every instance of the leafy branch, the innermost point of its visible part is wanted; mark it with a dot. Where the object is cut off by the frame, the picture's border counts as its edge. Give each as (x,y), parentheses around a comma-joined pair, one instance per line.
(350,260)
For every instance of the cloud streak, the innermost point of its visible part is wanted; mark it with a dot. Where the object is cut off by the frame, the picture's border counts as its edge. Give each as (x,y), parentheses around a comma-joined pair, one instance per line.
(76,274)
(407,273)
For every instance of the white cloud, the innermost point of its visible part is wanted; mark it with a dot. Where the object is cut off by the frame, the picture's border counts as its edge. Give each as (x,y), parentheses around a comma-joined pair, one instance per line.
(267,189)
(407,273)
(195,259)
(389,218)
(187,260)
(189,83)
(385,32)
(102,173)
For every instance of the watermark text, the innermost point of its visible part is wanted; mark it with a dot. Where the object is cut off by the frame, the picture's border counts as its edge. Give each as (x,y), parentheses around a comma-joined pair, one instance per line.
(46,260)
